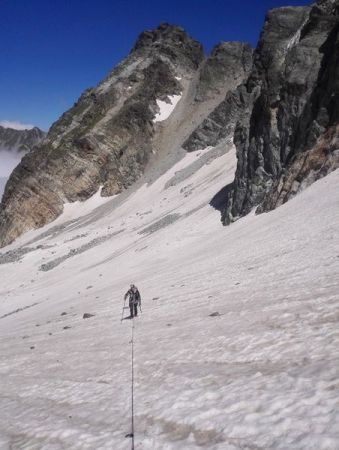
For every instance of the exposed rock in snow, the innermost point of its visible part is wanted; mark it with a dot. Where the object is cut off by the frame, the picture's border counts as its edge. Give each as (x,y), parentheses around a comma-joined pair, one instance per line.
(88,315)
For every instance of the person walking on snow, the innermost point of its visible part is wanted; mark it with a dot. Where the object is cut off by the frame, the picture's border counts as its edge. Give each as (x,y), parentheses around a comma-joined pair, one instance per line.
(134,300)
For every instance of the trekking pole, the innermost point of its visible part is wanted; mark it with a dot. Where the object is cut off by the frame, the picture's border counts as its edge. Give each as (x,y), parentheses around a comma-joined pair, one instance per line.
(140,308)
(122,312)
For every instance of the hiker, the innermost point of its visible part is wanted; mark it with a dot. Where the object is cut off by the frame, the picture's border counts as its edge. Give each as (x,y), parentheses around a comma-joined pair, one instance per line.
(134,300)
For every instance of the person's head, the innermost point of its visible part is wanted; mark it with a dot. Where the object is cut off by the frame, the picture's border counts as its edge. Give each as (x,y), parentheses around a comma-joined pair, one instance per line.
(133,287)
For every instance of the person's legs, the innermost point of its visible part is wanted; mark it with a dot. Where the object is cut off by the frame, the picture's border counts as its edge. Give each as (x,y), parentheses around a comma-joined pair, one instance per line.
(135,309)
(131,309)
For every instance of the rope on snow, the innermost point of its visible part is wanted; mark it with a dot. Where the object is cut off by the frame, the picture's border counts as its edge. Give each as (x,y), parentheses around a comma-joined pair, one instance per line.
(131,434)
(132,385)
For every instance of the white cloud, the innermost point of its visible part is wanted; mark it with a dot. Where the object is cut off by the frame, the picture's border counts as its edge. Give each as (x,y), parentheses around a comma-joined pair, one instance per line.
(8,161)
(16,125)
(3,181)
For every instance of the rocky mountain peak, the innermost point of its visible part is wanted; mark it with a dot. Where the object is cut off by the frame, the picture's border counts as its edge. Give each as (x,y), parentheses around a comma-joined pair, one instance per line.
(170,40)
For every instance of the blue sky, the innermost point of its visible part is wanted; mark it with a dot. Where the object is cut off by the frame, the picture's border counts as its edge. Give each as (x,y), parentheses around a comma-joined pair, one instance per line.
(54,49)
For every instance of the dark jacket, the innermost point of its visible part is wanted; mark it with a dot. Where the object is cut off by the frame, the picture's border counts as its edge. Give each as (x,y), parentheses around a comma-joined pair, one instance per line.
(134,297)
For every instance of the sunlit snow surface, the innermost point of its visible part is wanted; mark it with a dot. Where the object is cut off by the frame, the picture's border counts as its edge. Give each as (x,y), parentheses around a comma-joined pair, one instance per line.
(264,374)
(165,108)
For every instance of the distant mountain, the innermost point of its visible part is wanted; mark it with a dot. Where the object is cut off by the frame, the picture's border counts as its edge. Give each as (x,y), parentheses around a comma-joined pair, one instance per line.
(20,140)
(14,144)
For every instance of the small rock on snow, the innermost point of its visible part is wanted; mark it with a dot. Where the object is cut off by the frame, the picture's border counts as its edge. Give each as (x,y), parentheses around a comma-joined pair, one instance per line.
(87,315)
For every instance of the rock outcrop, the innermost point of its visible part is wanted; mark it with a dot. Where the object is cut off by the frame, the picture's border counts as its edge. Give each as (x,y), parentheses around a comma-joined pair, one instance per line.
(306,168)
(228,66)
(288,137)
(115,131)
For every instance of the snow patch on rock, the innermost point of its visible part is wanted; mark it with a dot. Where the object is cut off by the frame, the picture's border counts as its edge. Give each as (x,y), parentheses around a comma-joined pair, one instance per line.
(166,108)
(294,40)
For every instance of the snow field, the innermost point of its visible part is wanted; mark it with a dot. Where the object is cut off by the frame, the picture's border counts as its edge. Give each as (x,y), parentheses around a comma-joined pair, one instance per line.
(263,374)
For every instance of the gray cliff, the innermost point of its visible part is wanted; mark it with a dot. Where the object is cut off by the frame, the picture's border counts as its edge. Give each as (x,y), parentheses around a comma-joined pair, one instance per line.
(288,133)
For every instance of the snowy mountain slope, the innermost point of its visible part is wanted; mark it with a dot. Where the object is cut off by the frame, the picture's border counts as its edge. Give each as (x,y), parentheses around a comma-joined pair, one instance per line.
(262,374)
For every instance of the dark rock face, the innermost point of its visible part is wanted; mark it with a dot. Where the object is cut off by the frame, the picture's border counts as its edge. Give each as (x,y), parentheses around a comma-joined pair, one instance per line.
(20,140)
(292,102)
(220,123)
(306,168)
(229,65)
(173,42)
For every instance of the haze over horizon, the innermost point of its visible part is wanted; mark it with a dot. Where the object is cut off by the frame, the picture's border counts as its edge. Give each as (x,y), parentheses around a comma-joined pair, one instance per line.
(53,53)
